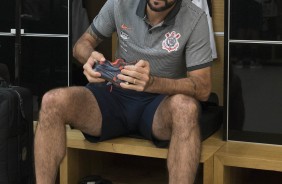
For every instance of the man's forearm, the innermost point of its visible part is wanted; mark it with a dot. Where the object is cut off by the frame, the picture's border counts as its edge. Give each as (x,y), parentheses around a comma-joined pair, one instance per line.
(191,86)
(86,45)
(82,51)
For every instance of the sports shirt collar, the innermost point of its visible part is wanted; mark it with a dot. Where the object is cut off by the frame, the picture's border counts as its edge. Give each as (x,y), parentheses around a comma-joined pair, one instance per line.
(170,18)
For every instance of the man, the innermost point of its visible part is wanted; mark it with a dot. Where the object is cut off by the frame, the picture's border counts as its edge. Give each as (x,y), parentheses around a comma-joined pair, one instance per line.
(158,97)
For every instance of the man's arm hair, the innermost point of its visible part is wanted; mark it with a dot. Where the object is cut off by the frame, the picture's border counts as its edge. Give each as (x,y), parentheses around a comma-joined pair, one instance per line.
(86,45)
(91,32)
(197,84)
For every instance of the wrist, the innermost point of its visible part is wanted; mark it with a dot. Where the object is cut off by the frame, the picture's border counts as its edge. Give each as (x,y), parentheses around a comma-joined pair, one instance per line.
(150,83)
(194,87)
(151,80)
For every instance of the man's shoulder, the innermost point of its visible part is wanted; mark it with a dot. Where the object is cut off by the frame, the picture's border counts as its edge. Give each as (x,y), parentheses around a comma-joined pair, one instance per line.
(189,13)
(189,7)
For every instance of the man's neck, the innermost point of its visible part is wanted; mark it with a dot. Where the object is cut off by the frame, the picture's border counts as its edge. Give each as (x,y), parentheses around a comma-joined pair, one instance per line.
(156,17)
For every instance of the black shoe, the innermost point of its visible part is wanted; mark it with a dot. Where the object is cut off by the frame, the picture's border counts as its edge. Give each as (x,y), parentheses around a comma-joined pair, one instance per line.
(90,179)
(109,70)
(94,179)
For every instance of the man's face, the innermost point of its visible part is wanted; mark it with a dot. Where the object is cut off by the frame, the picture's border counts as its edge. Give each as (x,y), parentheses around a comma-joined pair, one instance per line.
(160,5)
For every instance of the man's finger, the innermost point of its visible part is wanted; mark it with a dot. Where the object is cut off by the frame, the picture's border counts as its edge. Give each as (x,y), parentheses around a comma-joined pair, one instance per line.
(97,56)
(131,86)
(142,63)
(128,70)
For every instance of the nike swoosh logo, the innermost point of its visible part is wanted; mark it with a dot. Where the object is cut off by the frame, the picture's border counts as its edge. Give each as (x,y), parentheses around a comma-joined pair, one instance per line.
(124,27)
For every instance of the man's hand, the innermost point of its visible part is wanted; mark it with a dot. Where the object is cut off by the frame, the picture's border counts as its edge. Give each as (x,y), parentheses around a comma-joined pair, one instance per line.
(91,75)
(137,77)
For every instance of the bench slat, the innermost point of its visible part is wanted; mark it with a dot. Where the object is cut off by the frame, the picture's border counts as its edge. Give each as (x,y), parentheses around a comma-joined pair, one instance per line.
(75,165)
(134,146)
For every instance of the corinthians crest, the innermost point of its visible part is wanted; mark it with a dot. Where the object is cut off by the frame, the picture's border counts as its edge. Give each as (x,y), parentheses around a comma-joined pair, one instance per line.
(171,41)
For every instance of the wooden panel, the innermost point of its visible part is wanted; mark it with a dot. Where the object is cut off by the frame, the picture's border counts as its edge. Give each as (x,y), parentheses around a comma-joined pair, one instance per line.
(71,167)
(218,69)
(248,155)
(74,166)
(114,44)
(233,157)
(218,171)
(208,171)
(77,162)
(140,147)
(64,170)
(218,64)
(218,15)
(120,145)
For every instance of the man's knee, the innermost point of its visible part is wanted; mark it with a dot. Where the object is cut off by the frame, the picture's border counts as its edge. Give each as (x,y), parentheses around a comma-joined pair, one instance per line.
(53,99)
(184,111)
(183,104)
(52,109)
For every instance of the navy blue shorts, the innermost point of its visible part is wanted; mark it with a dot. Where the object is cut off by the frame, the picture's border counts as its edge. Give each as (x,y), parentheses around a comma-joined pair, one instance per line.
(125,112)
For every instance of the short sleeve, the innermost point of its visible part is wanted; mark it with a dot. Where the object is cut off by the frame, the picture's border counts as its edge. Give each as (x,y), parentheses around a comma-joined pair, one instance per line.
(198,50)
(103,24)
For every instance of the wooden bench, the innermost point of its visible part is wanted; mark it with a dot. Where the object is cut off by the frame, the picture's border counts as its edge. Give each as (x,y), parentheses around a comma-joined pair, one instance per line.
(233,157)
(77,162)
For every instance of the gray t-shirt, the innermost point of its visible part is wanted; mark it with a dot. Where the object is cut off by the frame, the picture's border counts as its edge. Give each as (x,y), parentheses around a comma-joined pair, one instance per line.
(177,45)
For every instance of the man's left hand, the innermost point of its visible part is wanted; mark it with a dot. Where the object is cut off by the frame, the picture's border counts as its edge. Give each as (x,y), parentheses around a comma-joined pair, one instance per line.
(136,77)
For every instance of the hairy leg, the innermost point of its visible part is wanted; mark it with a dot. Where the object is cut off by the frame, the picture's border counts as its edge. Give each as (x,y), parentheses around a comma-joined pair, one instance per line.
(177,119)
(75,106)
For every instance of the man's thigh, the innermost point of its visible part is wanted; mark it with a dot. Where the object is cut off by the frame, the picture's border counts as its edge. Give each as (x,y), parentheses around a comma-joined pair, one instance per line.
(162,121)
(82,111)
(173,109)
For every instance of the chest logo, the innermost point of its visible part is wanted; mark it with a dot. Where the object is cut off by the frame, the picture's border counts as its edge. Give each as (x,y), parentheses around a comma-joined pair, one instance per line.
(124,35)
(124,27)
(171,41)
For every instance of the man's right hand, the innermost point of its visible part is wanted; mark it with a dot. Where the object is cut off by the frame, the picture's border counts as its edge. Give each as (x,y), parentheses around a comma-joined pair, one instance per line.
(91,75)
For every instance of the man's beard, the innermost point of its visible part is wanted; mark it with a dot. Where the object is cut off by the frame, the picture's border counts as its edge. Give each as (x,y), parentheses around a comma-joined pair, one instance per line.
(160,9)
